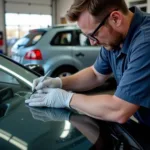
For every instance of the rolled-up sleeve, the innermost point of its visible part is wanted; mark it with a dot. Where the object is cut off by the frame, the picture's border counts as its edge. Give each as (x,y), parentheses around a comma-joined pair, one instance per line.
(102,64)
(134,86)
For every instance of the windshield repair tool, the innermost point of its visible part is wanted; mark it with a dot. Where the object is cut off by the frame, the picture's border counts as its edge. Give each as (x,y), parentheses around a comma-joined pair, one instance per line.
(46,75)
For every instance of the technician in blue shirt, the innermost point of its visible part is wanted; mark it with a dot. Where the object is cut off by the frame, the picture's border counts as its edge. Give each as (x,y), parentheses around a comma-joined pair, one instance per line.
(125,36)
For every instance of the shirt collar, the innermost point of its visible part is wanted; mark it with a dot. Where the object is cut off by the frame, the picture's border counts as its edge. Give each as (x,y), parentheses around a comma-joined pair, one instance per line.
(136,21)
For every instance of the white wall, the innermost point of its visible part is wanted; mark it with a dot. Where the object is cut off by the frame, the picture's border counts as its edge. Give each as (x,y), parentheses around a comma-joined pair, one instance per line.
(62,7)
(148,6)
(2,24)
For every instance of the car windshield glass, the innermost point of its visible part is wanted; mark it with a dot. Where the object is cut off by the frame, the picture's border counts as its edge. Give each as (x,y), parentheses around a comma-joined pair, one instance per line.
(6,78)
(10,69)
(12,91)
(15,83)
(30,39)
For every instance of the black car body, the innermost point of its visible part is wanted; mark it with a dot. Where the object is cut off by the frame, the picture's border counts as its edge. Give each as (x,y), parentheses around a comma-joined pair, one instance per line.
(26,128)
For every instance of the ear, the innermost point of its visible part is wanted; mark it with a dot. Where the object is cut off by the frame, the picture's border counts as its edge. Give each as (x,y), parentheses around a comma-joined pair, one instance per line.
(116,18)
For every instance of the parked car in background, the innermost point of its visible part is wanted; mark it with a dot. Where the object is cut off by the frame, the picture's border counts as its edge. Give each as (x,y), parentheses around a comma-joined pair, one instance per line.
(10,42)
(63,49)
(29,128)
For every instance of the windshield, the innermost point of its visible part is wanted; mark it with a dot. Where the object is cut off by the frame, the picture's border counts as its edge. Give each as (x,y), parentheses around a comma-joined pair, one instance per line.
(11,72)
(15,84)
(30,39)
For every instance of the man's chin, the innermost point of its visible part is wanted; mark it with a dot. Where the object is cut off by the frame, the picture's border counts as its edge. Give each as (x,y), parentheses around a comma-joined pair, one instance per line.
(109,48)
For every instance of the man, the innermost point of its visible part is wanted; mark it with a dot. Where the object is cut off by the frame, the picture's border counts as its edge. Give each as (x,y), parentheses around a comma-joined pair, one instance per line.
(125,36)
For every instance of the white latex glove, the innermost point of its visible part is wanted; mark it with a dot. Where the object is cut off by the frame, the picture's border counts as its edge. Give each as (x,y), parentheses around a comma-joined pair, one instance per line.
(50,97)
(47,83)
(50,114)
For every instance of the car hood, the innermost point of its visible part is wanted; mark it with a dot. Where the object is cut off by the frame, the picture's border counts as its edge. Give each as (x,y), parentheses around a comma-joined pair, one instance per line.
(26,128)
(19,130)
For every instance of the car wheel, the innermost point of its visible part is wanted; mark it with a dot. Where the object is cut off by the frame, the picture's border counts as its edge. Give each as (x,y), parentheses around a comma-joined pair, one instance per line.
(64,71)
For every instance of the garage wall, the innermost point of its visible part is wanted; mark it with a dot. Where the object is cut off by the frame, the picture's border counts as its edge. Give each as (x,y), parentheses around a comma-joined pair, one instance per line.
(45,7)
(29,6)
(2,25)
(148,6)
(62,7)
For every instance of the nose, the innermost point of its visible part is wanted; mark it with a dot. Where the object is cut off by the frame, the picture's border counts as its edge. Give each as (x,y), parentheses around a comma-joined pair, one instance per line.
(93,43)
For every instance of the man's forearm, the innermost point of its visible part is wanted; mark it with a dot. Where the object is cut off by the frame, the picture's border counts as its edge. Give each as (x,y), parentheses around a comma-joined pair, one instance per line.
(104,107)
(82,81)
(92,105)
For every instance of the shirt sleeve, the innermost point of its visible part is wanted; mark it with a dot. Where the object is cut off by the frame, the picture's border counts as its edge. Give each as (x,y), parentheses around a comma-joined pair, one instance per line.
(134,86)
(102,64)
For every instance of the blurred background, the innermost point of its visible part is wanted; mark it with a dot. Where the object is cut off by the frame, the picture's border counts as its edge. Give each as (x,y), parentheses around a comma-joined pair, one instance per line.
(17,17)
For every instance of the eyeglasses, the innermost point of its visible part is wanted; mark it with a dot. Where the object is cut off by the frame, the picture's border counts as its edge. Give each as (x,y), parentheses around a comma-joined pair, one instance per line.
(91,35)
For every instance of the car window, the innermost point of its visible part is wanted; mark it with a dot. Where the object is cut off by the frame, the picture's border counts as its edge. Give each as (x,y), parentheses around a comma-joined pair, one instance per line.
(80,39)
(30,39)
(12,91)
(83,40)
(21,42)
(10,69)
(6,78)
(62,39)
(36,39)
(10,86)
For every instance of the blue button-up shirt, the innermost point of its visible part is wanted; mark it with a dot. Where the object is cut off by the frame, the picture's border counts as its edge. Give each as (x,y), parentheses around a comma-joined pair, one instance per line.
(131,64)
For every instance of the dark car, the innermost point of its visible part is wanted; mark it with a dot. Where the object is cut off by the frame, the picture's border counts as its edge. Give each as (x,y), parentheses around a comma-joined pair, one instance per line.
(27,128)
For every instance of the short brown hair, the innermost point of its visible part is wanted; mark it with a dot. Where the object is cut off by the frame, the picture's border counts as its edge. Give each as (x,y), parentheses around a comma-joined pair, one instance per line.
(96,8)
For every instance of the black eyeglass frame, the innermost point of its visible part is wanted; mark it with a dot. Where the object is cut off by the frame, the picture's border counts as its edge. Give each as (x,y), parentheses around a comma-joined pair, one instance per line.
(91,35)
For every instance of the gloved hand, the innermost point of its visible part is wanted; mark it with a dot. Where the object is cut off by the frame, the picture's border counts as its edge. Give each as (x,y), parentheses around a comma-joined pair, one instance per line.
(50,114)
(47,83)
(50,97)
